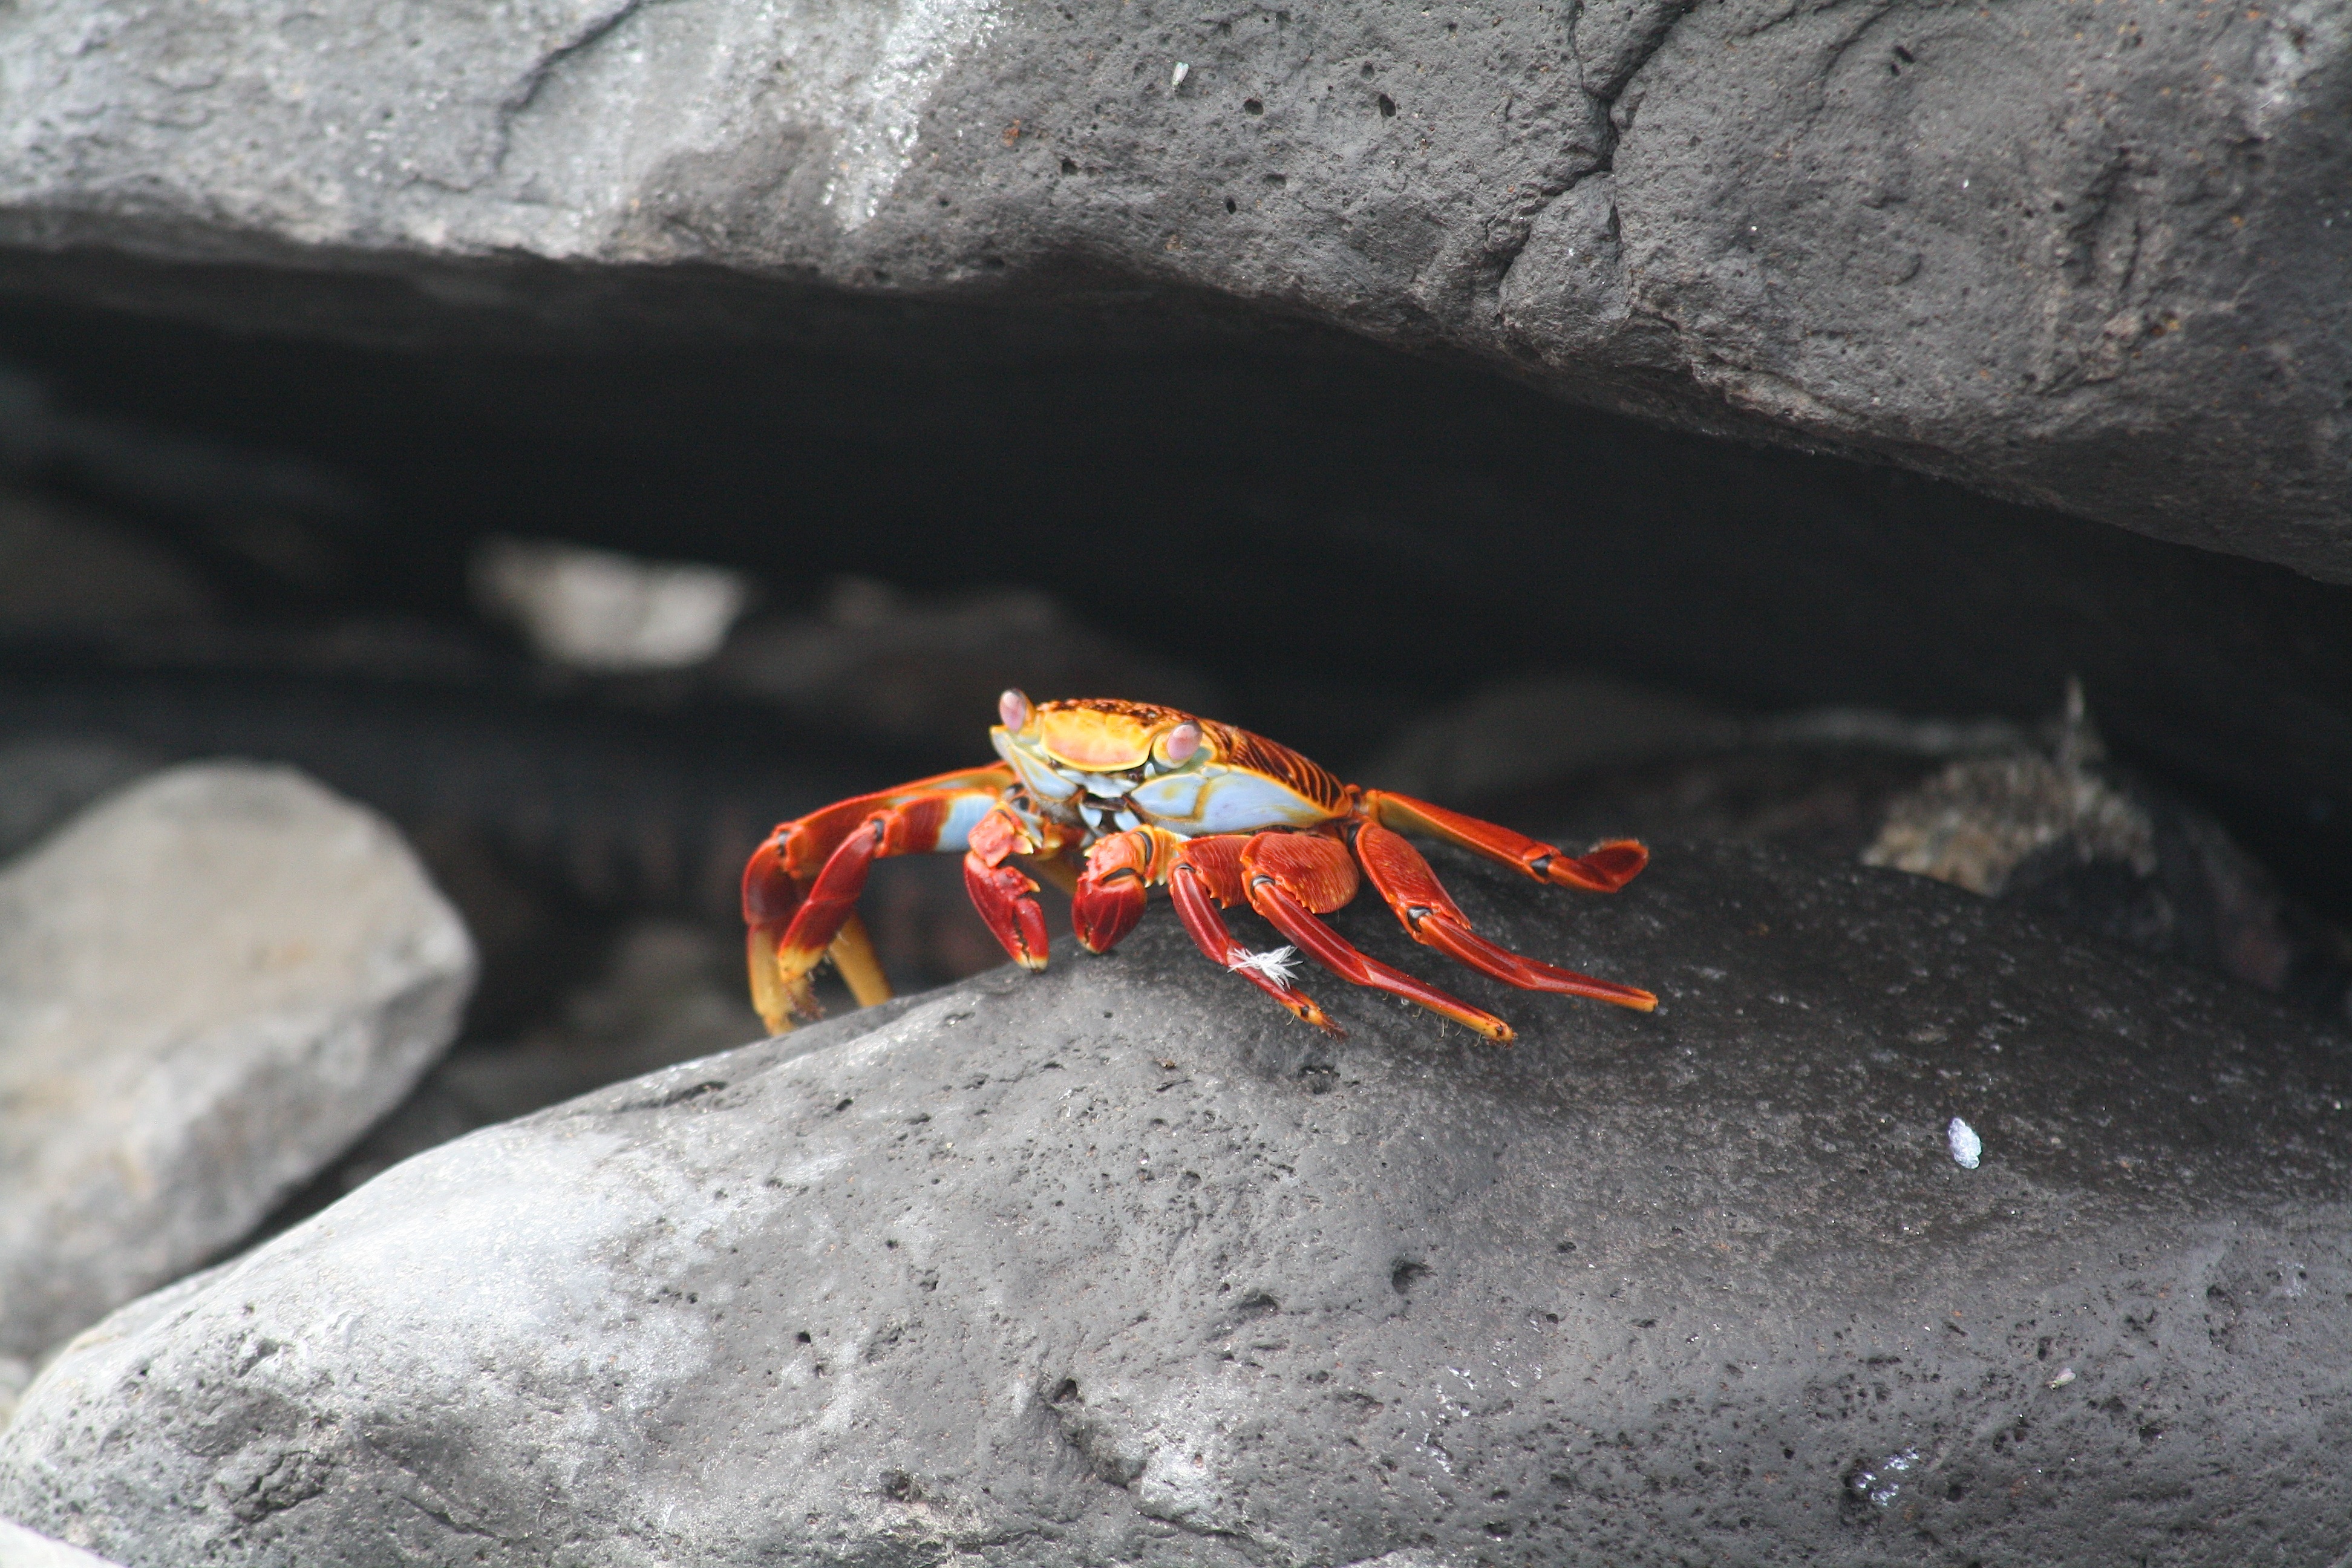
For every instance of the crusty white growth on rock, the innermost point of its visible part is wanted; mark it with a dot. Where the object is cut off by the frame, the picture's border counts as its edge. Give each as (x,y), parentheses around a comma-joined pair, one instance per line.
(883,109)
(21,1548)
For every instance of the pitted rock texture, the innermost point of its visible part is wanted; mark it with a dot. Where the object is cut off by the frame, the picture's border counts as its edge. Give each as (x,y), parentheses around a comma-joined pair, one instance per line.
(211,984)
(21,1548)
(2101,262)
(1118,1264)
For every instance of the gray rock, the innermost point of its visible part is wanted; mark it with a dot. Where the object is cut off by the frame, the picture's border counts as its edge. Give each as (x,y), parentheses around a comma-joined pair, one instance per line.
(210,985)
(670,992)
(2102,266)
(21,1548)
(44,779)
(1119,1264)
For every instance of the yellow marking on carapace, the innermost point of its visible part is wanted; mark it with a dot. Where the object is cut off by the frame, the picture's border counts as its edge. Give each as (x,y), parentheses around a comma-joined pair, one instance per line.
(1099,735)
(1105,734)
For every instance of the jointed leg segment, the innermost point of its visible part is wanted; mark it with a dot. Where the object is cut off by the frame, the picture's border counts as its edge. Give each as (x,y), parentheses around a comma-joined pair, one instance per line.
(1420,901)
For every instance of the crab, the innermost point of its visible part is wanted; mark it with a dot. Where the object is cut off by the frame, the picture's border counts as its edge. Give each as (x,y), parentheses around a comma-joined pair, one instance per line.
(1110,799)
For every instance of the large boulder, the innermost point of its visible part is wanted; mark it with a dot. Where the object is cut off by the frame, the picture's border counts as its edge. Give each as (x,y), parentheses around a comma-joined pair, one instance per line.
(211,984)
(1120,1264)
(2100,263)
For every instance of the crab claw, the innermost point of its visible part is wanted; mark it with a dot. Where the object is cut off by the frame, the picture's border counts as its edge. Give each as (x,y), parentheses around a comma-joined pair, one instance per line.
(1005,900)
(1110,896)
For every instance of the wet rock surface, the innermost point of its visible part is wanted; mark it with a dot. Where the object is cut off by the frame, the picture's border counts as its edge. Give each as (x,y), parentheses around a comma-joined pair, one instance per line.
(211,984)
(2102,268)
(1119,1264)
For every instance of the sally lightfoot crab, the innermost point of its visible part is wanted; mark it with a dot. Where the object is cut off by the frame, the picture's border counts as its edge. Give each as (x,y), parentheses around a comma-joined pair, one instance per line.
(1110,799)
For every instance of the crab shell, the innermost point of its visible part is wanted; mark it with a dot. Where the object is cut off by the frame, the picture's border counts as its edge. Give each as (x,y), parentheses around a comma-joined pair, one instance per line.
(1114,766)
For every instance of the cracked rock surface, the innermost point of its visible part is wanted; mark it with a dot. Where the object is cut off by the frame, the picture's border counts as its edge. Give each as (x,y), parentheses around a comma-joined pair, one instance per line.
(211,982)
(2102,263)
(1118,1264)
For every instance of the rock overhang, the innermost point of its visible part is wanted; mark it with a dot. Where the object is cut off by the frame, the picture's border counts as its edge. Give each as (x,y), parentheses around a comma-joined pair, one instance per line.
(2094,268)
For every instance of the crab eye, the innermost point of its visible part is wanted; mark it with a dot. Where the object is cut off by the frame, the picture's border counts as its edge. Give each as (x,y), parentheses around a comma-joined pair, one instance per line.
(1013,709)
(1182,742)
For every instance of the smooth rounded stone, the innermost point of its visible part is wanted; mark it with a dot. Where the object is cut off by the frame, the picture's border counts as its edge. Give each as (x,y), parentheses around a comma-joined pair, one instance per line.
(1120,1264)
(211,982)
(2106,269)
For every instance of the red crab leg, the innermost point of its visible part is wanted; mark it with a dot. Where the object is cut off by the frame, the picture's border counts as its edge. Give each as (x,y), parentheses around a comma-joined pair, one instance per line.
(800,891)
(1291,877)
(1602,870)
(1193,876)
(1412,891)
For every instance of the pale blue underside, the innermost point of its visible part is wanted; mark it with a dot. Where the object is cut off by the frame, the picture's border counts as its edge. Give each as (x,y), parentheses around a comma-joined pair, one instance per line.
(1201,798)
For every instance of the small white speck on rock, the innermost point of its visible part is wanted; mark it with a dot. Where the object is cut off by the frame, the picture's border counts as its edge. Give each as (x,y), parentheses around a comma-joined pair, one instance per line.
(1967,1147)
(1176,78)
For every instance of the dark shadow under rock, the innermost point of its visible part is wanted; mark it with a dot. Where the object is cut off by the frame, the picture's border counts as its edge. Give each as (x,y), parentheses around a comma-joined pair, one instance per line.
(1118,1264)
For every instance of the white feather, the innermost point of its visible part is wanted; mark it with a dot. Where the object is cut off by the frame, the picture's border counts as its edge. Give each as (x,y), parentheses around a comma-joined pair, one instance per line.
(1279,965)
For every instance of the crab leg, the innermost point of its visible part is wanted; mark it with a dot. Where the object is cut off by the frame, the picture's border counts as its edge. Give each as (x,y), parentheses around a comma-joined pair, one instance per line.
(1419,900)
(800,890)
(1604,868)
(1292,877)
(1204,873)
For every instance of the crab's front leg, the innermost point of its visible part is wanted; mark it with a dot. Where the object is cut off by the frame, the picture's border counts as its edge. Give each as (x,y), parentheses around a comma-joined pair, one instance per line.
(801,888)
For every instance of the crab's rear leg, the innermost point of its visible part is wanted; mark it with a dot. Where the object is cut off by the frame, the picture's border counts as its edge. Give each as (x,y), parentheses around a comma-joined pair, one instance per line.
(1292,877)
(1412,890)
(1604,868)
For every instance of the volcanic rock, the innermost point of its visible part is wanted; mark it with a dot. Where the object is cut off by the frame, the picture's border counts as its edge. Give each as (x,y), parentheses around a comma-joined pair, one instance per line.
(1120,1264)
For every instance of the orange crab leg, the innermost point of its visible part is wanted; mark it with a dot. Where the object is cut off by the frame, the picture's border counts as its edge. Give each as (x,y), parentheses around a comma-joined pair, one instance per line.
(800,890)
(1602,870)
(1191,880)
(1291,878)
(1419,900)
